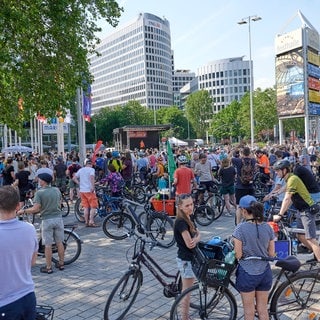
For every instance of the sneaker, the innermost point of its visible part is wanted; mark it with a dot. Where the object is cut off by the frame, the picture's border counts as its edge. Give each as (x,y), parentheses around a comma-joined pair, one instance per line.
(228,214)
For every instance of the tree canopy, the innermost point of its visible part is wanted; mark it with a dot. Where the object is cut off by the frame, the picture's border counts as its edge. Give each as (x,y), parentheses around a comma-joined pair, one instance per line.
(44,47)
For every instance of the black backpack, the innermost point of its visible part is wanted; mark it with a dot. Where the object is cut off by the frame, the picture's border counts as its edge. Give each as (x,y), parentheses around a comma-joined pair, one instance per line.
(246,172)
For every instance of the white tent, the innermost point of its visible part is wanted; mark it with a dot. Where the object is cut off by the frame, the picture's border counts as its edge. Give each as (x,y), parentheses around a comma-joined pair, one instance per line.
(177,142)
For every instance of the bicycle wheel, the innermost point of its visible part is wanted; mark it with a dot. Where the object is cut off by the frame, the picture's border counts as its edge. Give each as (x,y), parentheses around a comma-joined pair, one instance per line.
(72,248)
(297,298)
(211,303)
(160,228)
(204,215)
(64,206)
(118,225)
(123,295)
(78,211)
(138,194)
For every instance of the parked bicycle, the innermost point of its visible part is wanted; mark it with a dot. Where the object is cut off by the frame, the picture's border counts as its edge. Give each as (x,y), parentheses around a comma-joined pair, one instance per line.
(125,292)
(294,294)
(44,312)
(154,224)
(106,202)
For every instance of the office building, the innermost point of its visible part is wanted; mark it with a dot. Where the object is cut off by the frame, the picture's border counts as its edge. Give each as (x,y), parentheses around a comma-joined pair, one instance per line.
(134,63)
(180,79)
(226,80)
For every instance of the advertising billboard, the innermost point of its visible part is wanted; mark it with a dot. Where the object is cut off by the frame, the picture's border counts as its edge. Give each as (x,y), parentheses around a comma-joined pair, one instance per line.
(290,83)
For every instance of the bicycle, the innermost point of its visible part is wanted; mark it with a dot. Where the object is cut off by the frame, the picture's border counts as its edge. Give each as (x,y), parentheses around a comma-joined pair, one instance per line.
(44,312)
(294,297)
(154,224)
(106,204)
(125,292)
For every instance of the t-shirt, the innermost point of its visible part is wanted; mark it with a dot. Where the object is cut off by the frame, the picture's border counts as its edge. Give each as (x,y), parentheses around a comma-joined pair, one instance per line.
(255,240)
(185,177)
(7,177)
(184,253)
(84,175)
(227,176)
(60,170)
(18,243)
(49,198)
(203,170)
(23,177)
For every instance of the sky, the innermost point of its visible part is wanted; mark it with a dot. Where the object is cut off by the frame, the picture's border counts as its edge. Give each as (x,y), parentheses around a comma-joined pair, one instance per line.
(208,30)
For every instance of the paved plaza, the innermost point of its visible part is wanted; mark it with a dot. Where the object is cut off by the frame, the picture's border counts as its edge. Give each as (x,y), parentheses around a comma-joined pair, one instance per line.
(81,290)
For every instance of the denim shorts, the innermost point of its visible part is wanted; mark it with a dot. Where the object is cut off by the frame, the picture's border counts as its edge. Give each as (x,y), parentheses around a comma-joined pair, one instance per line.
(52,230)
(23,308)
(248,283)
(185,269)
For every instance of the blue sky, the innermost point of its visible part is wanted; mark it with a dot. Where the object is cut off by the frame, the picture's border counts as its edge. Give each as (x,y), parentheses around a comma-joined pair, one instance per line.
(207,30)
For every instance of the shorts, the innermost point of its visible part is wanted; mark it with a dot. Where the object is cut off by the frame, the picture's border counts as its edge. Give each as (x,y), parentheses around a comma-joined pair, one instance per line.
(23,308)
(89,200)
(247,283)
(243,192)
(185,269)
(208,184)
(227,190)
(52,230)
(72,184)
(307,221)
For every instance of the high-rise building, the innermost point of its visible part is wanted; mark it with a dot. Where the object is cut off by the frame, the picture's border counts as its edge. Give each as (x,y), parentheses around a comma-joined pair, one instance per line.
(226,80)
(134,63)
(180,79)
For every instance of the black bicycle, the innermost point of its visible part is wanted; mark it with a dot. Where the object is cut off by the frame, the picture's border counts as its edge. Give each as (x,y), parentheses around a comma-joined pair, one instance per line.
(154,224)
(124,294)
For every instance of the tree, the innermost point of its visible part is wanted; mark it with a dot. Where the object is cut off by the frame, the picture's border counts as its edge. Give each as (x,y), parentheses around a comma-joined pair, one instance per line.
(44,46)
(199,111)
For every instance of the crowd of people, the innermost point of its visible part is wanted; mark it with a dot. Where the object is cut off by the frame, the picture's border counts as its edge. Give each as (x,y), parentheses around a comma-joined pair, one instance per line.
(288,171)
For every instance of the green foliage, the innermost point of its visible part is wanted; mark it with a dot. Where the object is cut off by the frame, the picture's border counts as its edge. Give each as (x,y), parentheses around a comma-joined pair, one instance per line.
(199,111)
(44,46)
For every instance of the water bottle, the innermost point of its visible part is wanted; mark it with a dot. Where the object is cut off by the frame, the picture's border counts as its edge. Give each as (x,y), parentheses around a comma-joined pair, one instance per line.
(294,247)
(230,257)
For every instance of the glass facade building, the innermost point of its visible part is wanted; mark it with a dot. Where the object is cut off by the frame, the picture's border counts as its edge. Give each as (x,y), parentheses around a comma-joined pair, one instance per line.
(134,63)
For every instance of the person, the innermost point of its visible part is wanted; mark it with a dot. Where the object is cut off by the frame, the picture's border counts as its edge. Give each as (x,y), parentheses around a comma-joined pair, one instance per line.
(297,194)
(22,182)
(127,169)
(160,171)
(8,173)
(183,177)
(2,158)
(85,177)
(18,248)
(114,180)
(72,169)
(47,201)
(44,168)
(263,165)
(227,174)
(60,174)
(142,167)
(253,237)
(242,188)
(187,236)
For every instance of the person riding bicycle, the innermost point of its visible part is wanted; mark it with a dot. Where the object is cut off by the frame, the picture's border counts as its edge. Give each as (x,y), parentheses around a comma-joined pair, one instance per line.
(253,237)
(298,195)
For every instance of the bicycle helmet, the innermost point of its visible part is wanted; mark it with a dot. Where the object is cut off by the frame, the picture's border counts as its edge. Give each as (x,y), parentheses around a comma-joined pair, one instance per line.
(281,164)
(115,154)
(182,159)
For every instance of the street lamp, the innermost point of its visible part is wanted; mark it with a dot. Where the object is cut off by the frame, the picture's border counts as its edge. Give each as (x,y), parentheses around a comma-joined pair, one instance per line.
(248,20)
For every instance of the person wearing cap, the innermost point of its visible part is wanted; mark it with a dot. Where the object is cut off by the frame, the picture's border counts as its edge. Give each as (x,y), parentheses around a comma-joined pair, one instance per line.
(183,177)
(253,237)
(44,168)
(19,250)
(47,202)
(297,194)
(85,177)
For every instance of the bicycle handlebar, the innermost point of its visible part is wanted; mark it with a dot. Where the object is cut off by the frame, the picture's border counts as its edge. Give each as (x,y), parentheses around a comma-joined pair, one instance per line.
(137,204)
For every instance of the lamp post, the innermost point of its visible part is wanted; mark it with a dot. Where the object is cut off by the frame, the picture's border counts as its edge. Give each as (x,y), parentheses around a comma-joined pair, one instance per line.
(248,20)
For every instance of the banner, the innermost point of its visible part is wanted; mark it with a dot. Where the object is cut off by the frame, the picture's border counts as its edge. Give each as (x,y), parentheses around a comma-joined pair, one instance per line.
(171,163)
(96,149)
(87,103)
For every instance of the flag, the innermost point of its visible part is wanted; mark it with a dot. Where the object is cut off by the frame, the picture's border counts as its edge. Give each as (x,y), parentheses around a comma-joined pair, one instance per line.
(171,163)
(87,104)
(96,149)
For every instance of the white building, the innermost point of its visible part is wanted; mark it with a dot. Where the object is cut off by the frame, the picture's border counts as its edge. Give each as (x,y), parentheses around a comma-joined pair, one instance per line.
(226,80)
(180,79)
(135,63)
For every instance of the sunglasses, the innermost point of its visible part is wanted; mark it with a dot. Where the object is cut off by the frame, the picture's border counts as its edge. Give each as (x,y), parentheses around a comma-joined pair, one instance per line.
(184,196)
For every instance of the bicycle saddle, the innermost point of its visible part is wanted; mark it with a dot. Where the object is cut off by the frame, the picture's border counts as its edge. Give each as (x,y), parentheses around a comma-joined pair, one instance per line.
(290,263)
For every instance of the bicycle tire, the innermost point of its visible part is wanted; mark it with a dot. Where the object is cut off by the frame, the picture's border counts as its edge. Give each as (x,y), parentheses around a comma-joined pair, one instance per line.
(123,295)
(118,225)
(221,304)
(72,248)
(216,203)
(204,215)
(79,212)
(64,206)
(160,228)
(286,305)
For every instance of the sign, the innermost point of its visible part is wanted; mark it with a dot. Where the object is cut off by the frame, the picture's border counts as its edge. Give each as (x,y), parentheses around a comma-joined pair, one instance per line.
(53,128)
(282,248)
(137,134)
(313,84)
(288,41)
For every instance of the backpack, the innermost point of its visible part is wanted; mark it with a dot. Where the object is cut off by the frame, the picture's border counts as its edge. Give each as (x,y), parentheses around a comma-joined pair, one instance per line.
(73,169)
(247,172)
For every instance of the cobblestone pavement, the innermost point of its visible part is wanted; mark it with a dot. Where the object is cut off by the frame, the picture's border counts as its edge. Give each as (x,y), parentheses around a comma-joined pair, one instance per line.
(81,290)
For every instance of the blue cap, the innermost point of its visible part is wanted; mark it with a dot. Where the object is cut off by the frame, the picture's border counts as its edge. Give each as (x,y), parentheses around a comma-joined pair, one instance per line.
(246,201)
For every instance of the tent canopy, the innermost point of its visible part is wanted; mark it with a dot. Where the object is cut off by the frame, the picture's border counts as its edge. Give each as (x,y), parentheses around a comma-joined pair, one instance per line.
(177,142)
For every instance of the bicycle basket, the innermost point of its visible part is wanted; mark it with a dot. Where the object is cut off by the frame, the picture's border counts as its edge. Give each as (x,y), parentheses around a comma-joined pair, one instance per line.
(212,272)
(44,312)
